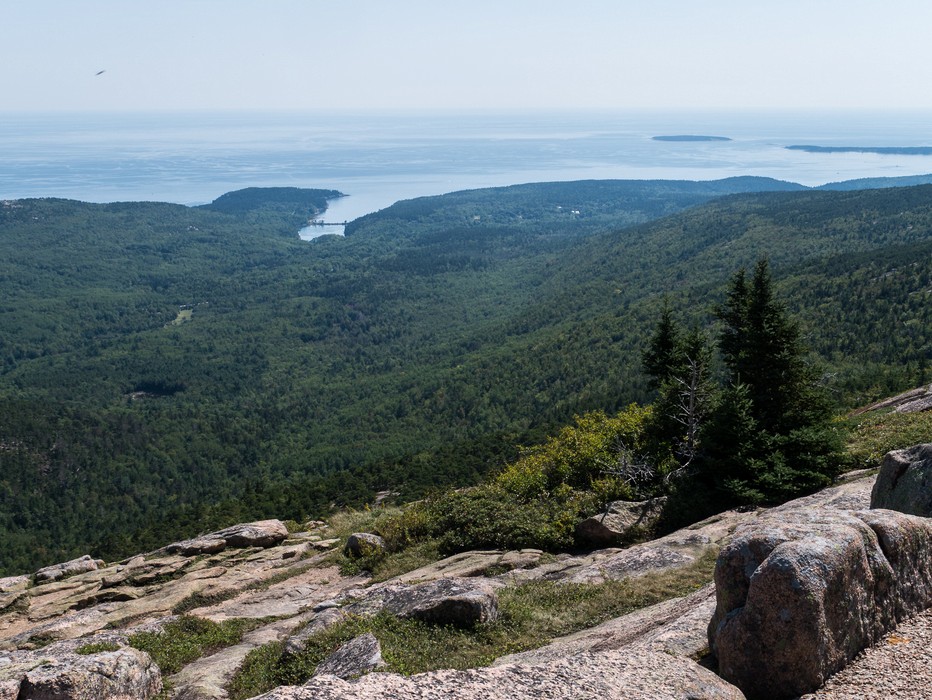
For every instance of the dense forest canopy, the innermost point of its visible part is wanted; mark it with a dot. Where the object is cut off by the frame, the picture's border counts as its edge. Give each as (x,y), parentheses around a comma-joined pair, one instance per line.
(164,369)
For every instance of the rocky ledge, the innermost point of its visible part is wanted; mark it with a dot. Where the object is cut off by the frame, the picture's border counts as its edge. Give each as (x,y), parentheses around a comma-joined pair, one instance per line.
(799,591)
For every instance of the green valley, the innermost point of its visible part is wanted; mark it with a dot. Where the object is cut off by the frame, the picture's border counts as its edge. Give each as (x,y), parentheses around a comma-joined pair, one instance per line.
(165,369)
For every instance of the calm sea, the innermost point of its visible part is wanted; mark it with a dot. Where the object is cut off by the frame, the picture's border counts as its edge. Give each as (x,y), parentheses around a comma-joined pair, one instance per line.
(378,159)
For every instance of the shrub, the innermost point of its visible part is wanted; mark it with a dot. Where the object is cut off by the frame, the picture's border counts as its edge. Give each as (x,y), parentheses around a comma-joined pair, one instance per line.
(97,648)
(579,455)
(489,516)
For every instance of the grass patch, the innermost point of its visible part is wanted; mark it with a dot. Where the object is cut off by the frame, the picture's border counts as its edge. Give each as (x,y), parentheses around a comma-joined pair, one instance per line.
(388,565)
(188,638)
(873,435)
(200,600)
(346,522)
(288,573)
(184,315)
(97,648)
(530,616)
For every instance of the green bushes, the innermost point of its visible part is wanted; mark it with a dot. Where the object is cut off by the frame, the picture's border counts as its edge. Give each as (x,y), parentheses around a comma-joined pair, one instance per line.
(578,456)
(490,517)
(535,502)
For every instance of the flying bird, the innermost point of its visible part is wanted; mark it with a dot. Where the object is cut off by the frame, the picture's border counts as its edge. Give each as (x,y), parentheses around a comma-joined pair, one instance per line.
(100,72)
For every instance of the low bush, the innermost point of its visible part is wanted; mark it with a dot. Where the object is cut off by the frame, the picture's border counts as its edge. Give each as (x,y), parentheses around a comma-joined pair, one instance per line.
(490,517)
(97,648)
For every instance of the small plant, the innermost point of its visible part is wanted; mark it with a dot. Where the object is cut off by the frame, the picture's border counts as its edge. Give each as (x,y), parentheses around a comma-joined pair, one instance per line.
(43,639)
(293,526)
(97,648)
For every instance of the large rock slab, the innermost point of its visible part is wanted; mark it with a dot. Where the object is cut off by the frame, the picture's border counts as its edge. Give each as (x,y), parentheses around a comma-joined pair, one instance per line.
(905,481)
(449,601)
(13,592)
(621,522)
(358,656)
(58,672)
(474,563)
(800,593)
(262,533)
(68,568)
(632,675)
(912,401)
(13,584)
(674,551)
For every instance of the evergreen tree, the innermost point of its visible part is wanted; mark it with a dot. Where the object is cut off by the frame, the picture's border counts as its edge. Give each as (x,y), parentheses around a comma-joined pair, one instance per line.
(769,437)
(678,364)
(663,353)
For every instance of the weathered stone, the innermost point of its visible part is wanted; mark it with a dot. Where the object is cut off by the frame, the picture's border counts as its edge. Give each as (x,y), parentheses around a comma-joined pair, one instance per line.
(14,600)
(673,551)
(323,619)
(79,606)
(640,674)
(13,584)
(905,481)
(9,689)
(68,568)
(800,593)
(911,401)
(363,544)
(207,544)
(456,601)
(263,533)
(13,592)
(621,522)
(358,656)
(474,563)
(57,672)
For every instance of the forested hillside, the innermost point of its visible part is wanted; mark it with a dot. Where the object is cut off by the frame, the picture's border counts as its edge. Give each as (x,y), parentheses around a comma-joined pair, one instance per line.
(166,369)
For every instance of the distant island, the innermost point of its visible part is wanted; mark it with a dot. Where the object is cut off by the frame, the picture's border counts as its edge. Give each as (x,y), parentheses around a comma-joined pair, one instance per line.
(882,150)
(690,137)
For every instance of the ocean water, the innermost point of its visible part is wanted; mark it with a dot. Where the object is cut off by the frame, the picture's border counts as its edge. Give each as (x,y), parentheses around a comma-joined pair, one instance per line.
(378,159)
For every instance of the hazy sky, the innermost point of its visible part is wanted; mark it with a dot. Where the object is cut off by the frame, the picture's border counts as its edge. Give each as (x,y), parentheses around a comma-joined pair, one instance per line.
(452,54)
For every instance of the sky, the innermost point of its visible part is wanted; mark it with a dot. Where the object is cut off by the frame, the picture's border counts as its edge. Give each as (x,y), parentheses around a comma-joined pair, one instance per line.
(458,55)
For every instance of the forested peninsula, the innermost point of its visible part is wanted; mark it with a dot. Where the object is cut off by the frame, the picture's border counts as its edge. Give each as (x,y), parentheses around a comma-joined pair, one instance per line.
(880,150)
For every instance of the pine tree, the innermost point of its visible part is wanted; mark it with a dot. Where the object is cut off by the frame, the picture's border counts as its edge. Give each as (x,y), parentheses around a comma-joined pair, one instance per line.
(679,365)
(661,357)
(789,446)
